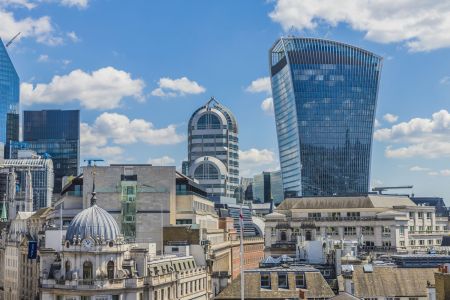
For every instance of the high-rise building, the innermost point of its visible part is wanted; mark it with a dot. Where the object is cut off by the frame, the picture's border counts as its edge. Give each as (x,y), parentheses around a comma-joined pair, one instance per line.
(268,186)
(325,95)
(55,133)
(9,98)
(213,152)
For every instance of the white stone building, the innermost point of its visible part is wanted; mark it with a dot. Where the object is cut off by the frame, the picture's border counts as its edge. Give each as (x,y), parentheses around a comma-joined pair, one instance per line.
(378,222)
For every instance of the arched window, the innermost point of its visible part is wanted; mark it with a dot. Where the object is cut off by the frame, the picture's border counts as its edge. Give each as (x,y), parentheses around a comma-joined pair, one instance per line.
(110,269)
(208,121)
(67,269)
(87,270)
(206,171)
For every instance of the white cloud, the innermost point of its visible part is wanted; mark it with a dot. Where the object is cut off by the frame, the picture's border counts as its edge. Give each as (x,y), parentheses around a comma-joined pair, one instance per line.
(73,36)
(419,169)
(433,173)
(255,161)
(429,138)
(267,105)
(445,172)
(43,58)
(162,161)
(390,118)
(377,123)
(445,80)
(420,25)
(260,85)
(121,130)
(75,3)
(177,87)
(40,29)
(18,3)
(102,89)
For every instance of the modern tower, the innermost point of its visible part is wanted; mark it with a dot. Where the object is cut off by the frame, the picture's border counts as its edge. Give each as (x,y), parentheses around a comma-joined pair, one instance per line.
(213,152)
(56,133)
(9,98)
(267,187)
(325,96)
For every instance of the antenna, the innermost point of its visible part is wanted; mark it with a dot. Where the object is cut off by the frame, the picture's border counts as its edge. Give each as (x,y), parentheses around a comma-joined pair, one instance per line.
(12,40)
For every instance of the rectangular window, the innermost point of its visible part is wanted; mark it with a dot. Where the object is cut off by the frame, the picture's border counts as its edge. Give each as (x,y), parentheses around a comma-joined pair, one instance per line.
(386,230)
(282,280)
(402,243)
(299,280)
(412,242)
(411,215)
(265,281)
(421,242)
(336,215)
(411,229)
(402,230)
(367,230)
(430,242)
(314,215)
(428,216)
(420,215)
(386,243)
(353,214)
(349,230)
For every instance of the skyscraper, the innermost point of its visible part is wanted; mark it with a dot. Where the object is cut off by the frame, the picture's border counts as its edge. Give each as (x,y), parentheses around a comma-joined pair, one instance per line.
(56,133)
(213,152)
(267,186)
(325,95)
(9,98)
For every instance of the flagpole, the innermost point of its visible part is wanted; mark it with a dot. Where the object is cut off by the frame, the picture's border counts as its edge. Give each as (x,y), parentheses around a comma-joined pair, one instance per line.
(241,225)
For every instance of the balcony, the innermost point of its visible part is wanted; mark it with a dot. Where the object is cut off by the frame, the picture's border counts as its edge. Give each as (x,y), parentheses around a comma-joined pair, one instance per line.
(429,232)
(93,284)
(337,219)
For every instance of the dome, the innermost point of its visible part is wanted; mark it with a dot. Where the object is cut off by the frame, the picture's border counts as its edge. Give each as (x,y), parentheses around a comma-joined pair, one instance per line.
(94,222)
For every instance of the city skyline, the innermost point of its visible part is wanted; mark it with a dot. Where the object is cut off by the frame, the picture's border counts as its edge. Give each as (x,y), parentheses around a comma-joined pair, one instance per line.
(128,120)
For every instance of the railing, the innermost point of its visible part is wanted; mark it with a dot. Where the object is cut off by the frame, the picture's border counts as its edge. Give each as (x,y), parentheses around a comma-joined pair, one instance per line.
(319,219)
(429,232)
(378,248)
(284,245)
(93,284)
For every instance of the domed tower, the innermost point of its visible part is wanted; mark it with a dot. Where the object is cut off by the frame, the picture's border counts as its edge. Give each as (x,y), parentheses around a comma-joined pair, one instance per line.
(213,151)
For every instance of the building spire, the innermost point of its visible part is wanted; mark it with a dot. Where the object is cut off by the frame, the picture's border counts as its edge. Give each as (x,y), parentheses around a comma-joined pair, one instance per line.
(4,215)
(94,197)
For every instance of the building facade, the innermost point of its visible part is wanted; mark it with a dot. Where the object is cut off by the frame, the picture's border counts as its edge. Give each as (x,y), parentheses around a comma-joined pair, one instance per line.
(9,98)
(268,186)
(325,96)
(213,151)
(55,133)
(378,223)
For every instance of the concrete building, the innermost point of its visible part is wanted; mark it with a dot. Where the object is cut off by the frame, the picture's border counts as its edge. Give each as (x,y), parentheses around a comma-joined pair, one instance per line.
(288,282)
(379,223)
(141,198)
(213,151)
(442,283)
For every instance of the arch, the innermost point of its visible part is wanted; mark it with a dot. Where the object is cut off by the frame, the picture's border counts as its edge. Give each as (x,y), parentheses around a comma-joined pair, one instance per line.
(209,121)
(206,171)
(87,270)
(110,269)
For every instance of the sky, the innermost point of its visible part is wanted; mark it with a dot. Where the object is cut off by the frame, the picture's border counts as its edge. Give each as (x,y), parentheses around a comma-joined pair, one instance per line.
(138,69)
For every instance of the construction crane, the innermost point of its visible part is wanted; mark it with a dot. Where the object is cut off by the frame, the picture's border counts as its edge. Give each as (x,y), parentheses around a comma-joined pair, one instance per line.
(90,160)
(381,189)
(12,40)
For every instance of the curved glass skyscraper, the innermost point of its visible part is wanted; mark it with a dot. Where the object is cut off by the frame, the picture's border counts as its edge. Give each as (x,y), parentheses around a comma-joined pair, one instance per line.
(325,96)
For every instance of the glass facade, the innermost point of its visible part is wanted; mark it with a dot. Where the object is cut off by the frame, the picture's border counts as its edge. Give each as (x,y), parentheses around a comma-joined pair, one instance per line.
(9,91)
(325,96)
(56,133)
(268,186)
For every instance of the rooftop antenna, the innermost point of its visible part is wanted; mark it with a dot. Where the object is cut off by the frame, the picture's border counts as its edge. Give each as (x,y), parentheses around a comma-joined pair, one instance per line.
(90,160)
(12,40)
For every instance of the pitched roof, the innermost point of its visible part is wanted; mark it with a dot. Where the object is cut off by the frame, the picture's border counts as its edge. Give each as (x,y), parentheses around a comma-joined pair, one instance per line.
(344,296)
(392,282)
(370,201)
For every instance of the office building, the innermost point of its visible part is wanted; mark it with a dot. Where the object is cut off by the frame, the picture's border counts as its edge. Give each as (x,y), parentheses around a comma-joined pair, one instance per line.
(268,186)
(213,151)
(9,99)
(380,223)
(53,133)
(325,96)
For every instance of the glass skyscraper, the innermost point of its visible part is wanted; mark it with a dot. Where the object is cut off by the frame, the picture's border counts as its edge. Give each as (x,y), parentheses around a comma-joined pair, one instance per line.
(56,133)
(325,96)
(9,95)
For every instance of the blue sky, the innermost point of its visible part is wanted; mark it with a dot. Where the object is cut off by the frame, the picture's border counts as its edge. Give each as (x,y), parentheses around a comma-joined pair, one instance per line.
(138,70)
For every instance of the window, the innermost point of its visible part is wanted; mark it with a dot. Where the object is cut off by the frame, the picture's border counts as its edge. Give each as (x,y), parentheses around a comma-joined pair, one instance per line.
(420,215)
(411,215)
(438,228)
(367,230)
(349,230)
(336,215)
(314,215)
(353,214)
(299,280)
(87,270)
(386,243)
(402,230)
(265,281)
(386,230)
(402,243)
(429,228)
(421,242)
(283,236)
(110,269)
(412,242)
(430,242)
(282,280)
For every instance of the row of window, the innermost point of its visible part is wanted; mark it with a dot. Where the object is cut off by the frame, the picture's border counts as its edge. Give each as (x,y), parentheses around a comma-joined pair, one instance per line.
(283,282)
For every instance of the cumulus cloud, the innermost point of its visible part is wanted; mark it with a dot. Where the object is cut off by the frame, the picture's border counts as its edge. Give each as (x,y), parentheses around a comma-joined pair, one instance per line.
(75,3)
(390,118)
(73,36)
(18,3)
(419,169)
(429,138)
(421,26)
(40,29)
(43,58)
(260,85)
(255,161)
(102,89)
(177,87)
(267,105)
(377,123)
(162,161)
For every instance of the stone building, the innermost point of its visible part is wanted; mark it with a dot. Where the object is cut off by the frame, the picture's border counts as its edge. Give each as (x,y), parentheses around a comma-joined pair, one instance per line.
(379,223)
(286,282)
(96,262)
